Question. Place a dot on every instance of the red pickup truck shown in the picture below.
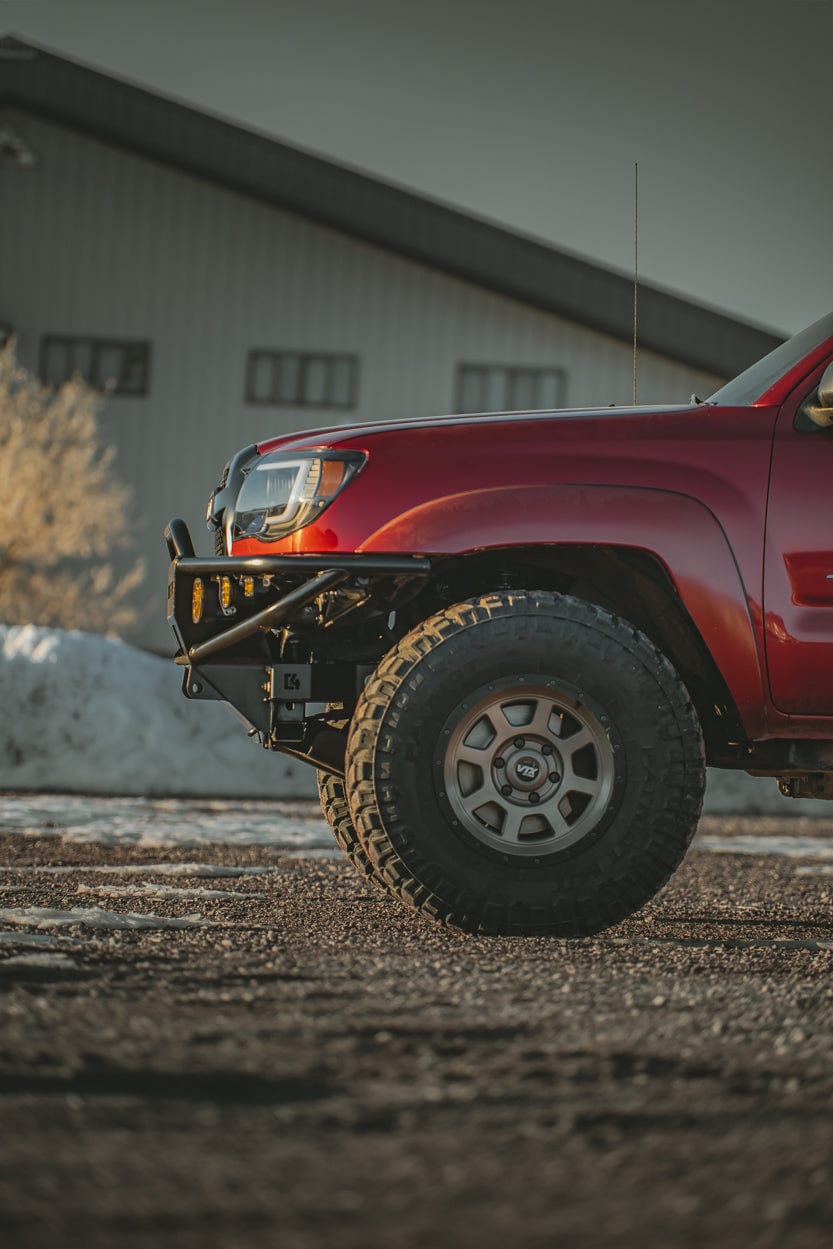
(510, 644)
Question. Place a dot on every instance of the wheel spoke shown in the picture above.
(475, 755)
(539, 725)
(511, 828)
(572, 784)
(484, 793)
(578, 741)
(554, 817)
(497, 719)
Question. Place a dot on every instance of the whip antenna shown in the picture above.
(635, 264)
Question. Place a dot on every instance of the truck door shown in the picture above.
(798, 562)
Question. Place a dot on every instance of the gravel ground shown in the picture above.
(304, 1063)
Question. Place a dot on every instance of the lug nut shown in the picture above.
(534, 798)
(554, 777)
(506, 790)
(546, 749)
(520, 742)
(499, 763)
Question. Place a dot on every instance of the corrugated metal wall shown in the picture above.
(97, 241)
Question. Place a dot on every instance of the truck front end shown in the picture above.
(286, 637)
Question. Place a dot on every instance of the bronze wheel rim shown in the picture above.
(528, 769)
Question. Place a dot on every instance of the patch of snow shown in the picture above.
(294, 826)
(152, 869)
(90, 714)
(145, 889)
(726, 943)
(92, 917)
(58, 962)
(9, 936)
(790, 847)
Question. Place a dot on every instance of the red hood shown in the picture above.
(334, 435)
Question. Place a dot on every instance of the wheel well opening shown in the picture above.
(627, 582)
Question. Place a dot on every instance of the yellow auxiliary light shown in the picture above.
(248, 586)
(197, 600)
(226, 593)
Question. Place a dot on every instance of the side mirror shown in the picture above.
(825, 392)
(819, 407)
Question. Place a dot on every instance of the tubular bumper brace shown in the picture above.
(237, 621)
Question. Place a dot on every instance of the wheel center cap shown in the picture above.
(528, 772)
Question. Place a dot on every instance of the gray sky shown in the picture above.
(531, 113)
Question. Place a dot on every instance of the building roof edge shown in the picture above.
(378, 212)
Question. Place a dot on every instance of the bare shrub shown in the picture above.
(61, 508)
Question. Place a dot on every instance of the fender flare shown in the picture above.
(677, 530)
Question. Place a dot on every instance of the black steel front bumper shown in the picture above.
(259, 652)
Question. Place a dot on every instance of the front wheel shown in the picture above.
(525, 763)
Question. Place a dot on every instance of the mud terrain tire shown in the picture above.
(499, 699)
(337, 814)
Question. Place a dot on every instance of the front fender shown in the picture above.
(679, 531)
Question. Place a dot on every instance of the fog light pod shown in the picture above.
(226, 591)
(197, 600)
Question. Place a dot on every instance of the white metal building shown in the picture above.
(234, 287)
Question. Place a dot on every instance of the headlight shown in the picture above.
(283, 492)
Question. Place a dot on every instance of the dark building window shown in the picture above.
(302, 379)
(500, 388)
(110, 363)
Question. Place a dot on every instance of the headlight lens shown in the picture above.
(283, 492)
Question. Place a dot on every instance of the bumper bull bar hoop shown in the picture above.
(270, 616)
(266, 565)
(273, 697)
(178, 539)
(329, 571)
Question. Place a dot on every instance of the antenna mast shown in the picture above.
(635, 264)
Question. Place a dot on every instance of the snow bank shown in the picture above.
(89, 714)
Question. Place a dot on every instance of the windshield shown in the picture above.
(757, 379)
